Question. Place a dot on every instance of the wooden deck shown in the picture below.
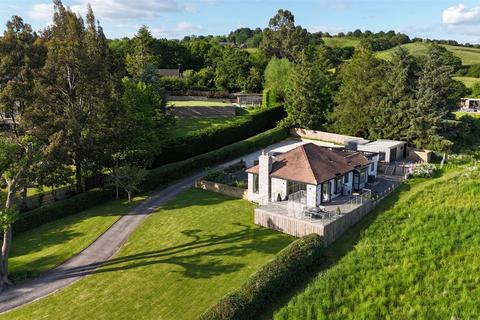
(331, 229)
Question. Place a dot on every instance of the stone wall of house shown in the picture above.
(222, 188)
(339, 139)
(312, 195)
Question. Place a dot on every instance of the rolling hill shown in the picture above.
(469, 56)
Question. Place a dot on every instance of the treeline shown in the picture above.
(407, 98)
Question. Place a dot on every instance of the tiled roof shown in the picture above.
(313, 164)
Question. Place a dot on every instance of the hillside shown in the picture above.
(469, 56)
(341, 42)
(416, 257)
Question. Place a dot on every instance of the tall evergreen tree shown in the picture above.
(309, 96)
(432, 110)
(75, 91)
(361, 88)
(392, 114)
(142, 64)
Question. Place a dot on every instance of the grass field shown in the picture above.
(460, 114)
(51, 244)
(341, 42)
(184, 126)
(468, 81)
(416, 257)
(195, 103)
(469, 56)
(180, 261)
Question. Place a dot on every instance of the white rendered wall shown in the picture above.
(279, 187)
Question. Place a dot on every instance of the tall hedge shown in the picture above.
(287, 269)
(202, 141)
(172, 171)
(61, 209)
(155, 178)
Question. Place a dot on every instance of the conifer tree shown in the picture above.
(361, 88)
(309, 95)
(391, 117)
(75, 92)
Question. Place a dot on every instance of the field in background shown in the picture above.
(467, 81)
(184, 258)
(341, 42)
(185, 126)
(197, 103)
(469, 56)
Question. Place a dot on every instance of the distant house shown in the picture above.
(175, 73)
(248, 99)
(321, 173)
(470, 105)
(227, 44)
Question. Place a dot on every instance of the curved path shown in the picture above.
(105, 246)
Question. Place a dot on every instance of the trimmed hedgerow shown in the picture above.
(208, 139)
(167, 173)
(61, 209)
(155, 179)
(288, 268)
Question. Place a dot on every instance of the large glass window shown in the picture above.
(338, 185)
(293, 186)
(345, 177)
(255, 183)
(326, 191)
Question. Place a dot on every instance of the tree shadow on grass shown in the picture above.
(203, 256)
(336, 251)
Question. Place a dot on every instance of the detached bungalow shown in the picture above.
(322, 174)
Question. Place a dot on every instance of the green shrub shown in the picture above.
(169, 172)
(288, 268)
(61, 209)
(202, 141)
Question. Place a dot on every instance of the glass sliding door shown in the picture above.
(326, 197)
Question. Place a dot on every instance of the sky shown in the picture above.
(434, 19)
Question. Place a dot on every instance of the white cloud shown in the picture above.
(185, 27)
(331, 30)
(115, 9)
(41, 12)
(459, 15)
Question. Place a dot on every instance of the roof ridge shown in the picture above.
(309, 163)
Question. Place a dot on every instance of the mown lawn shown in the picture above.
(460, 114)
(416, 257)
(468, 81)
(196, 103)
(180, 261)
(49, 245)
(184, 126)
